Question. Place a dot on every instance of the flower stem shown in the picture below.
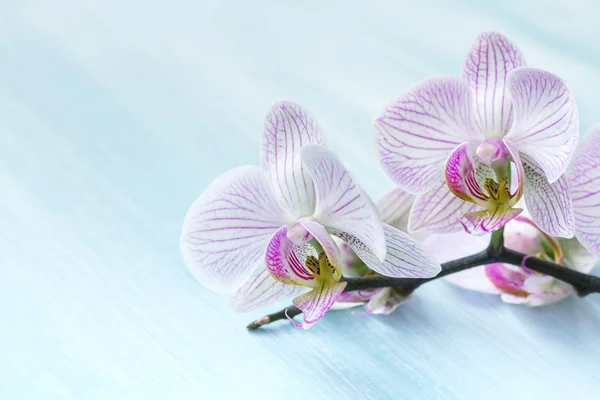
(583, 284)
(408, 285)
(496, 242)
(291, 312)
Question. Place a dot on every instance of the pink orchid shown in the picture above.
(518, 285)
(584, 185)
(265, 233)
(452, 141)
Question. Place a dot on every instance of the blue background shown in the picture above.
(114, 117)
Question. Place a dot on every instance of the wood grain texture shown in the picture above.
(115, 115)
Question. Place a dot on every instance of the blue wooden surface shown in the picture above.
(113, 118)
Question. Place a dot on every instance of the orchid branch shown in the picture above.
(288, 312)
(583, 284)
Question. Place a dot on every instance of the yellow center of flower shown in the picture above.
(322, 268)
(498, 191)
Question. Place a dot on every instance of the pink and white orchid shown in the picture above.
(265, 233)
(452, 142)
(515, 284)
(584, 184)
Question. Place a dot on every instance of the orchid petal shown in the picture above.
(507, 278)
(405, 256)
(577, 257)
(344, 305)
(483, 172)
(385, 302)
(286, 261)
(452, 246)
(289, 127)
(518, 176)
(356, 296)
(538, 283)
(536, 299)
(544, 290)
(546, 122)
(416, 132)
(318, 301)
(332, 251)
(340, 203)
(473, 279)
(549, 204)
(514, 299)
(261, 290)
(394, 208)
(226, 230)
(486, 221)
(461, 179)
(377, 300)
(584, 184)
(438, 211)
(488, 63)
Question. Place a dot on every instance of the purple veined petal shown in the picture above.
(486, 221)
(584, 184)
(549, 204)
(332, 251)
(546, 122)
(356, 296)
(286, 262)
(394, 208)
(473, 279)
(486, 69)
(461, 179)
(405, 257)
(226, 230)
(517, 172)
(261, 290)
(318, 301)
(438, 211)
(415, 133)
(289, 127)
(341, 204)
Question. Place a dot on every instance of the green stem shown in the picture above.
(496, 243)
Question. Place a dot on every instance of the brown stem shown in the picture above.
(583, 284)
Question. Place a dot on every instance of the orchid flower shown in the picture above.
(452, 141)
(393, 209)
(518, 285)
(265, 233)
(584, 185)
